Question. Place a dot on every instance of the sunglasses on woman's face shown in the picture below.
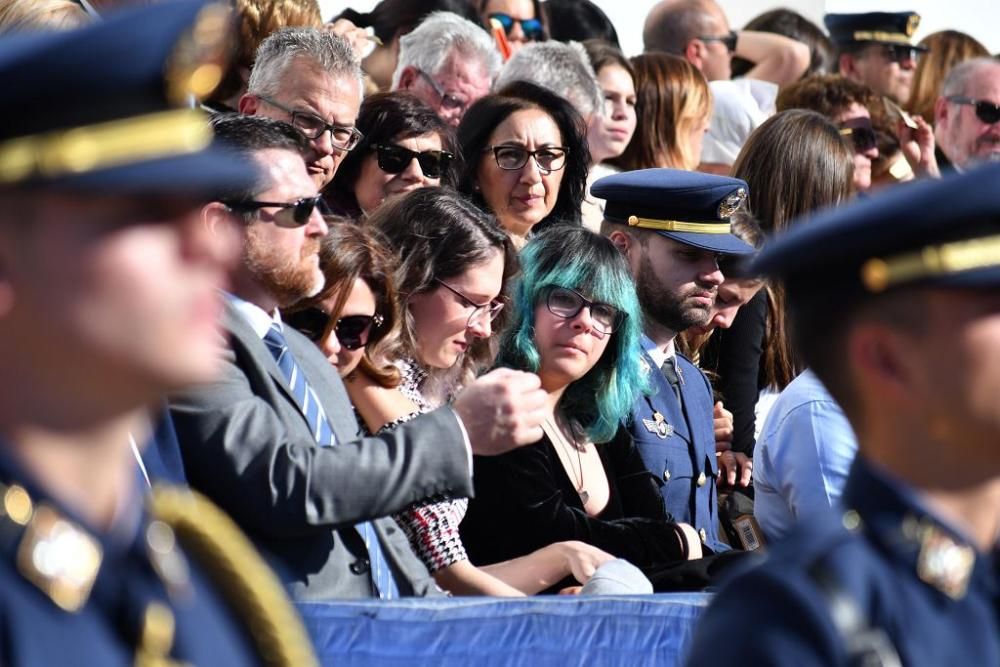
(532, 28)
(353, 331)
(394, 159)
(861, 133)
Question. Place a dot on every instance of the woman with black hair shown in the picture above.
(527, 158)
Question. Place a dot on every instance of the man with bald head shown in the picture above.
(699, 32)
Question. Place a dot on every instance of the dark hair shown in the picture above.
(578, 20)
(438, 233)
(828, 94)
(539, 14)
(348, 253)
(602, 54)
(245, 135)
(391, 18)
(817, 171)
(383, 118)
(822, 54)
(671, 94)
(483, 117)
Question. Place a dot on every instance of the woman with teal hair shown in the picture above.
(578, 326)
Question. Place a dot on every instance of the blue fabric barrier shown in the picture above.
(553, 630)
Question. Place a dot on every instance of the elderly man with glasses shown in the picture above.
(967, 115)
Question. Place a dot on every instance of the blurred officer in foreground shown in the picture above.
(108, 299)
(897, 309)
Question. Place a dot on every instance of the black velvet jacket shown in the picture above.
(525, 500)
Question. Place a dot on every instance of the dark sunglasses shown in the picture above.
(986, 112)
(292, 214)
(567, 303)
(900, 53)
(861, 133)
(729, 40)
(532, 28)
(353, 331)
(395, 159)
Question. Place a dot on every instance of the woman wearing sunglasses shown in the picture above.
(527, 158)
(522, 21)
(357, 307)
(405, 146)
(577, 326)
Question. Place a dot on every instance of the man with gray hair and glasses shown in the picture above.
(967, 115)
(311, 79)
(448, 63)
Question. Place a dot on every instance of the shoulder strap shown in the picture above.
(252, 590)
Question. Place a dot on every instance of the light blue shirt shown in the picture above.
(802, 457)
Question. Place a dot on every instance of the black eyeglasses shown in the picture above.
(861, 133)
(342, 137)
(900, 53)
(448, 101)
(986, 112)
(532, 28)
(728, 40)
(567, 303)
(394, 159)
(292, 214)
(491, 309)
(511, 158)
(353, 331)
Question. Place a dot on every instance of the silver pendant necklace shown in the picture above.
(556, 434)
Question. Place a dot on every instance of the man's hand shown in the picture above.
(734, 468)
(361, 41)
(723, 428)
(502, 410)
(917, 146)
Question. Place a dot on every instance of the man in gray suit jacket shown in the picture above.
(246, 439)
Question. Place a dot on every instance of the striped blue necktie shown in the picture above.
(307, 402)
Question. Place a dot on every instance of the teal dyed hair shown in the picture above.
(578, 259)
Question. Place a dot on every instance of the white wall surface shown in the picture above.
(979, 18)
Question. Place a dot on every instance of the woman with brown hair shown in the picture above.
(673, 107)
(816, 171)
(945, 50)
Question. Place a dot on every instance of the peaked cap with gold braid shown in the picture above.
(874, 28)
(253, 592)
(106, 108)
(686, 206)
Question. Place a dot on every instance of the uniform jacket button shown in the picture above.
(666, 475)
(361, 566)
(702, 479)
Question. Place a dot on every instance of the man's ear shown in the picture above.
(217, 218)
(694, 52)
(846, 65)
(882, 362)
(407, 78)
(248, 104)
(940, 113)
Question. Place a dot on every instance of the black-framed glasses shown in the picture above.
(512, 158)
(900, 53)
(727, 40)
(448, 101)
(292, 214)
(394, 159)
(353, 331)
(491, 309)
(861, 134)
(986, 112)
(567, 303)
(532, 28)
(342, 137)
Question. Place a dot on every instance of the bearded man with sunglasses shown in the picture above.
(967, 115)
(274, 442)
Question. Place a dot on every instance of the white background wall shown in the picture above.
(979, 18)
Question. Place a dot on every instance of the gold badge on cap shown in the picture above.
(198, 62)
(59, 557)
(658, 425)
(731, 203)
(912, 23)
